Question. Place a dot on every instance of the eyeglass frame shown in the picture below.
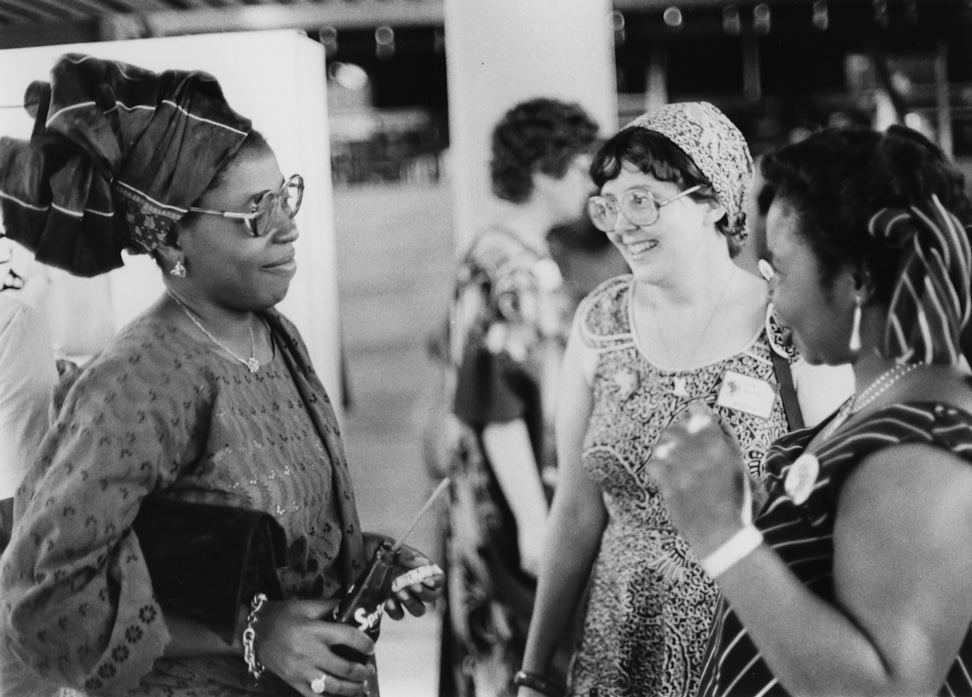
(616, 205)
(249, 219)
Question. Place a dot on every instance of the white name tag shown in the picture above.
(748, 394)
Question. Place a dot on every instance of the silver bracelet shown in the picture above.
(249, 637)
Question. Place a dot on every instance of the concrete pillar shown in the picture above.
(501, 52)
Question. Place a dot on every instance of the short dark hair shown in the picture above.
(657, 156)
(538, 135)
(837, 179)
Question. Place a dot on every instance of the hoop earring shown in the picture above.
(179, 271)
(855, 338)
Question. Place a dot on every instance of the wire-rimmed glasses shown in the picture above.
(638, 205)
(286, 199)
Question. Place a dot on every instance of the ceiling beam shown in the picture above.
(23, 34)
(341, 15)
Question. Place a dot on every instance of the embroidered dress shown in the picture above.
(159, 412)
(509, 323)
(802, 535)
(651, 604)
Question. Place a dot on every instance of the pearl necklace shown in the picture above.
(251, 363)
(881, 384)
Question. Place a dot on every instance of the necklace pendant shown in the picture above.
(252, 364)
(680, 386)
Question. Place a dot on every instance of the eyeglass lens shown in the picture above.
(287, 199)
(639, 207)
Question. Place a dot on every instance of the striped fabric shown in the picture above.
(802, 535)
(930, 305)
(117, 155)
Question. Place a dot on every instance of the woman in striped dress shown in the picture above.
(856, 576)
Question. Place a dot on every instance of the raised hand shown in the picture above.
(699, 470)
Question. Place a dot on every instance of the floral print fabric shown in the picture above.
(508, 332)
(651, 604)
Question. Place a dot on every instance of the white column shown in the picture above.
(501, 52)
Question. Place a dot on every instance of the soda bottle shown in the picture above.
(363, 605)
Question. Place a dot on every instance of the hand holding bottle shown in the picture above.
(294, 644)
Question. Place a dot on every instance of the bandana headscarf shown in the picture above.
(716, 146)
(117, 155)
(930, 306)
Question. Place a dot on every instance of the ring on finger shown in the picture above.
(319, 684)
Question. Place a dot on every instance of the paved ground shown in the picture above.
(395, 252)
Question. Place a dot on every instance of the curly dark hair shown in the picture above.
(837, 179)
(657, 156)
(538, 135)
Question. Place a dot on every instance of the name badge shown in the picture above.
(748, 394)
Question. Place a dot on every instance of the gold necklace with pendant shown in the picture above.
(252, 364)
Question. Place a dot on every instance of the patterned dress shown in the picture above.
(161, 412)
(509, 324)
(802, 535)
(651, 605)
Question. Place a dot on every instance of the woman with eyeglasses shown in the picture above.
(189, 521)
(687, 324)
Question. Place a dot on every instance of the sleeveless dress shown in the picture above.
(651, 605)
(802, 535)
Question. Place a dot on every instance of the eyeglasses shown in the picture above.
(638, 205)
(259, 222)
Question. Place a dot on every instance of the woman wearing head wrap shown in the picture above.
(687, 324)
(189, 517)
(856, 576)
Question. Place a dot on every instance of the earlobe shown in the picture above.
(715, 213)
(863, 284)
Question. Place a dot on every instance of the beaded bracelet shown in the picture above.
(539, 683)
(732, 551)
(249, 637)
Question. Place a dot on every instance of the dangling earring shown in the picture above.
(855, 338)
(179, 271)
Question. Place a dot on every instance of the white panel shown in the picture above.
(504, 51)
(278, 80)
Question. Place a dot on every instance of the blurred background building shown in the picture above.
(778, 68)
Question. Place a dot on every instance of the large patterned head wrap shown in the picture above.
(930, 305)
(716, 146)
(117, 156)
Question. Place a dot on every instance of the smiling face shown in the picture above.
(682, 228)
(819, 316)
(227, 266)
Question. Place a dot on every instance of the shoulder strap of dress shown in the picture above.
(788, 393)
(782, 353)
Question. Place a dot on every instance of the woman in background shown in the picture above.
(856, 576)
(509, 322)
(687, 324)
(189, 522)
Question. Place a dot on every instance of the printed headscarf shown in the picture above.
(930, 305)
(117, 155)
(717, 147)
